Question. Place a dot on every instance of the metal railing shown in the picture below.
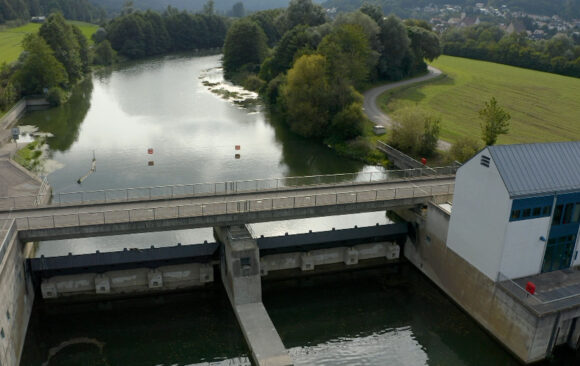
(7, 238)
(220, 188)
(521, 293)
(228, 207)
(397, 154)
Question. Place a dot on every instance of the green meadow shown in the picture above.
(11, 38)
(543, 106)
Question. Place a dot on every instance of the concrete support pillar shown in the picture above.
(240, 264)
(240, 269)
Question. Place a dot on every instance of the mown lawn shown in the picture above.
(543, 106)
(11, 38)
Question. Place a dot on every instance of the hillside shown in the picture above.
(10, 38)
(543, 106)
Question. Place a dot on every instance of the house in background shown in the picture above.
(516, 209)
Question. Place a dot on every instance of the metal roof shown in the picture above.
(532, 169)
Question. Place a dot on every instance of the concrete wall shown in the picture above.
(131, 281)
(523, 251)
(307, 261)
(16, 299)
(524, 333)
(481, 208)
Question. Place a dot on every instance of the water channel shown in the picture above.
(389, 316)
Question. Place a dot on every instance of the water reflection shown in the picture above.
(63, 122)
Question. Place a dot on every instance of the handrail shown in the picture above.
(83, 218)
(523, 294)
(7, 239)
(215, 188)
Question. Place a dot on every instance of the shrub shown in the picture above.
(56, 96)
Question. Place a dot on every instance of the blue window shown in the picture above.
(531, 208)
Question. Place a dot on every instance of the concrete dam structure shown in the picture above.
(501, 241)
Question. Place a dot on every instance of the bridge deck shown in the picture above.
(248, 207)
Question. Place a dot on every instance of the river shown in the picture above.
(156, 122)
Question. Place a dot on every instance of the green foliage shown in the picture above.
(395, 48)
(348, 123)
(56, 96)
(245, 46)
(303, 12)
(293, 41)
(254, 83)
(39, 68)
(69, 45)
(348, 53)
(495, 122)
(139, 34)
(8, 96)
(306, 94)
(269, 21)
(103, 54)
(415, 132)
(464, 149)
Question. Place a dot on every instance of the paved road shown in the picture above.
(374, 112)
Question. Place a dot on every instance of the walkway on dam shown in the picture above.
(112, 218)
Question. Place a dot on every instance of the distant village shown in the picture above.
(536, 26)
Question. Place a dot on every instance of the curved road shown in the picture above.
(374, 112)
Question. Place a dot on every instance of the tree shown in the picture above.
(39, 68)
(495, 122)
(245, 46)
(238, 10)
(348, 54)
(63, 39)
(464, 149)
(415, 132)
(395, 46)
(304, 12)
(306, 96)
(103, 54)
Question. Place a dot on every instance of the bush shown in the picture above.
(56, 96)
(253, 83)
(464, 149)
(415, 132)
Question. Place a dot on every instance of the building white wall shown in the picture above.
(523, 251)
(480, 214)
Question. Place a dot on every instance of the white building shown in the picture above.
(516, 209)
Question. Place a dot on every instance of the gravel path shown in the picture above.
(374, 112)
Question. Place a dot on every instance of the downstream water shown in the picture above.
(389, 316)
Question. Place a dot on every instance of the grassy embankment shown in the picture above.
(543, 106)
(11, 38)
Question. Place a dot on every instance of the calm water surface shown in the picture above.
(389, 316)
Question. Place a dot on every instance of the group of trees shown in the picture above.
(311, 74)
(52, 61)
(22, 10)
(139, 34)
(488, 42)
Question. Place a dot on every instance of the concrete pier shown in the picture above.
(241, 277)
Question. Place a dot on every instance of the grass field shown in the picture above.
(11, 38)
(543, 106)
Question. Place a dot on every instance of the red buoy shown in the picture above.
(150, 151)
(238, 147)
(423, 161)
